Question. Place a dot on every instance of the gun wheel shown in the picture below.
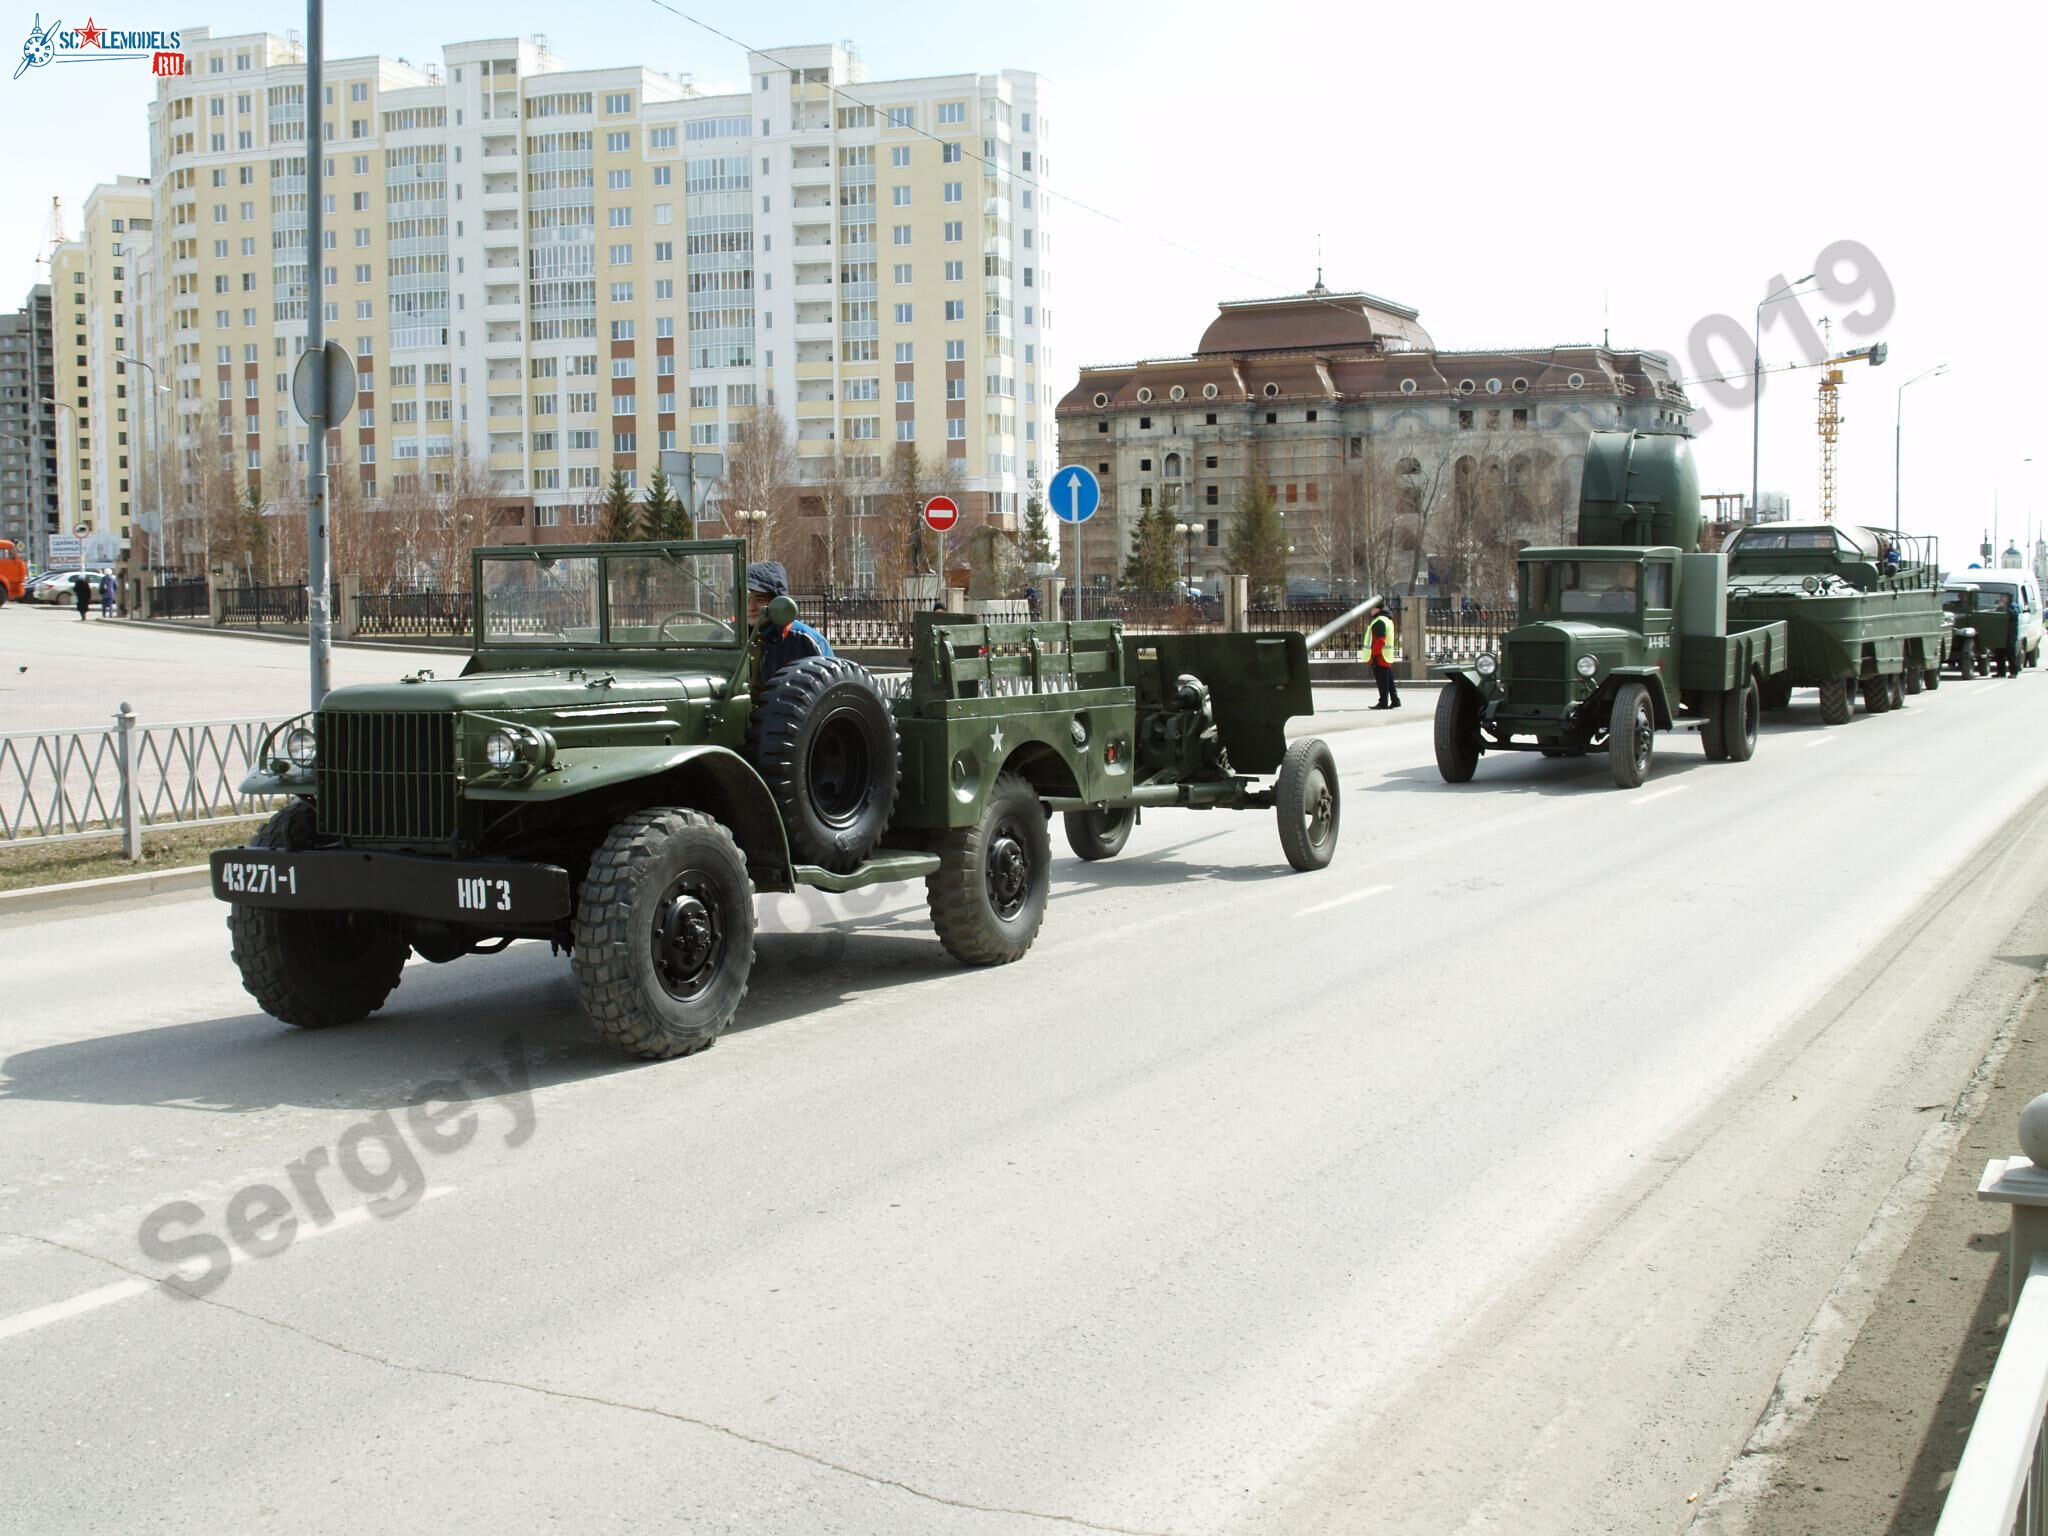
(1307, 800)
(1100, 834)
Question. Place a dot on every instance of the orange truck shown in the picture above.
(13, 572)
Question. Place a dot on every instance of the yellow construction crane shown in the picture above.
(1831, 416)
(54, 230)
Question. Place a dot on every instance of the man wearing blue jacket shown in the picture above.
(780, 644)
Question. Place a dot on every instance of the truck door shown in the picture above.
(1660, 624)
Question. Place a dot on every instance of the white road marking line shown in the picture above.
(1821, 741)
(1344, 901)
(121, 1290)
(1657, 794)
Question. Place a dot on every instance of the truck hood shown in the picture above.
(569, 689)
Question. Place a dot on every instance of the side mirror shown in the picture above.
(781, 611)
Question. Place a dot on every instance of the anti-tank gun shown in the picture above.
(1622, 635)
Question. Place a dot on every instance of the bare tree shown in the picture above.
(760, 472)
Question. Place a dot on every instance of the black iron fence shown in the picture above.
(179, 600)
(862, 620)
(259, 606)
(413, 613)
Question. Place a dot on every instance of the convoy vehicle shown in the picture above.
(1861, 606)
(1987, 633)
(609, 774)
(1622, 635)
(2025, 602)
(13, 573)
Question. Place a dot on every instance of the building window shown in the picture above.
(1209, 495)
(953, 192)
(952, 232)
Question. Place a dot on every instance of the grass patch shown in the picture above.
(93, 857)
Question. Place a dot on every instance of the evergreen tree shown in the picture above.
(1258, 542)
(662, 511)
(1037, 534)
(1154, 560)
(620, 521)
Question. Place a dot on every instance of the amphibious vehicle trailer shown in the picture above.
(1862, 606)
(1622, 635)
(607, 773)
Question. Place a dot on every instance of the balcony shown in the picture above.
(815, 330)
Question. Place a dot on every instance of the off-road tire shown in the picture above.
(1915, 680)
(678, 875)
(1457, 732)
(1740, 711)
(825, 742)
(988, 895)
(1931, 678)
(1309, 804)
(1631, 730)
(1777, 693)
(1099, 834)
(1877, 696)
(313, 970)
(1835, 705)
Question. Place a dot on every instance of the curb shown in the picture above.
(288, 637)
(85, 893)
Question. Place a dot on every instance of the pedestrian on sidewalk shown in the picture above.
(81, 589)
(107, 595)
(1379, 651)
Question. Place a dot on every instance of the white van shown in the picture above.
(2026, 594)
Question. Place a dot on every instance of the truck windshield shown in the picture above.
(1581, 586)
(650, 599)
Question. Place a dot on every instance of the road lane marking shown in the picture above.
(1344, 901)
(121, 1290)
(1821, 741)
(1658, 794)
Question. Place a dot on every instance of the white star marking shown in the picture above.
(996, 740)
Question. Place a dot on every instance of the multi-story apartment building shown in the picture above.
(28, 507)
(548, 274)
(1362, 429)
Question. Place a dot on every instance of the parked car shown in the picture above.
(58, 586)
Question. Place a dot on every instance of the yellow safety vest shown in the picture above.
(1372, 629)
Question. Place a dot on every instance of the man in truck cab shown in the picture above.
(779, 644)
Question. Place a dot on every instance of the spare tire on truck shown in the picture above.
(824, 740)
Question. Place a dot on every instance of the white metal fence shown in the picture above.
(59, 785)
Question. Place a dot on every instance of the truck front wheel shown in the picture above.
(664, 934)
(1457, 732)
(313, 969)
(1099, 834)
(988, 895)
(1630, 729)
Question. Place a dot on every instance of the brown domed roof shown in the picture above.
(1313, 322)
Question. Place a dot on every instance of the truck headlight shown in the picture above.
(1487, 664)
(1588, 665)
(501, 750)
(299, 746)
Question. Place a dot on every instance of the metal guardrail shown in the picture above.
(2001, 1485)
(62, 785)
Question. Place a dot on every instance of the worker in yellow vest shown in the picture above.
(1379, 651)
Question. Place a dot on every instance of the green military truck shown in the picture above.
(607, 774)
(1622, 635)
(1986, 637)
(1862, 606)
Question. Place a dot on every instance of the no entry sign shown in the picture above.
(941, 513)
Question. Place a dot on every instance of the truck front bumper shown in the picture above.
(482, 891)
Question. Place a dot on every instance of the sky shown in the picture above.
(1522, 176)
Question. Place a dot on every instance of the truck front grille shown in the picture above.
(1536, 672)
(385, 776)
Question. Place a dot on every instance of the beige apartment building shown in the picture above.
(547, 274)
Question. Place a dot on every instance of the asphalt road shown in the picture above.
(1482, 1182)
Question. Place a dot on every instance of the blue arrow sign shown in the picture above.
(1075, 494)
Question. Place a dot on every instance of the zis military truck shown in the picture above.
(608, 773)
(1622, 635)
(1862, 607)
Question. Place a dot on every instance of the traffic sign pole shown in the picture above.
(319, 635)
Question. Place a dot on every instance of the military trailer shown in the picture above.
(1621, 635)
(1862, 607)
(608, 773)
(1987, 633)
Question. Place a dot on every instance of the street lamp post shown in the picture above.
(155, 440)
(62, 406)
(1898, 436)
(1756, 391)
(1187, 533)
(750, 519)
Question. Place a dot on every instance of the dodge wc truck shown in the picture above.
(1622, 635)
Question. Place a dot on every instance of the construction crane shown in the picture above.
(1831, 416)
(53, 230)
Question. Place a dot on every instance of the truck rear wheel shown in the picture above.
(1777, 693)
(1835, 708)
(1305, 796)
(1099, 834)
(1741, 711)
(825, 742)
(1914, 680)
(1931, 678)
(1457, 732)
(664, 934)
(987, 897)
(1630, 729)
(313, 969)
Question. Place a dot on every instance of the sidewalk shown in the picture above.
(1878, 1452)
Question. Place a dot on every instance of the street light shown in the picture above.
(1187, 532)
(62, 406)
(1756, 391)
(749, 520)
(155, 441)
(1898, 431)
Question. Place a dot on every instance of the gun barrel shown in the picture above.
(1337, 625)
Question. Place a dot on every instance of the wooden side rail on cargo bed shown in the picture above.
(964, 661)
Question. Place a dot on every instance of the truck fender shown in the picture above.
(712, 779)
(1467, 675)
(1651, 678)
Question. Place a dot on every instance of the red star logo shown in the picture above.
(89, 35)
